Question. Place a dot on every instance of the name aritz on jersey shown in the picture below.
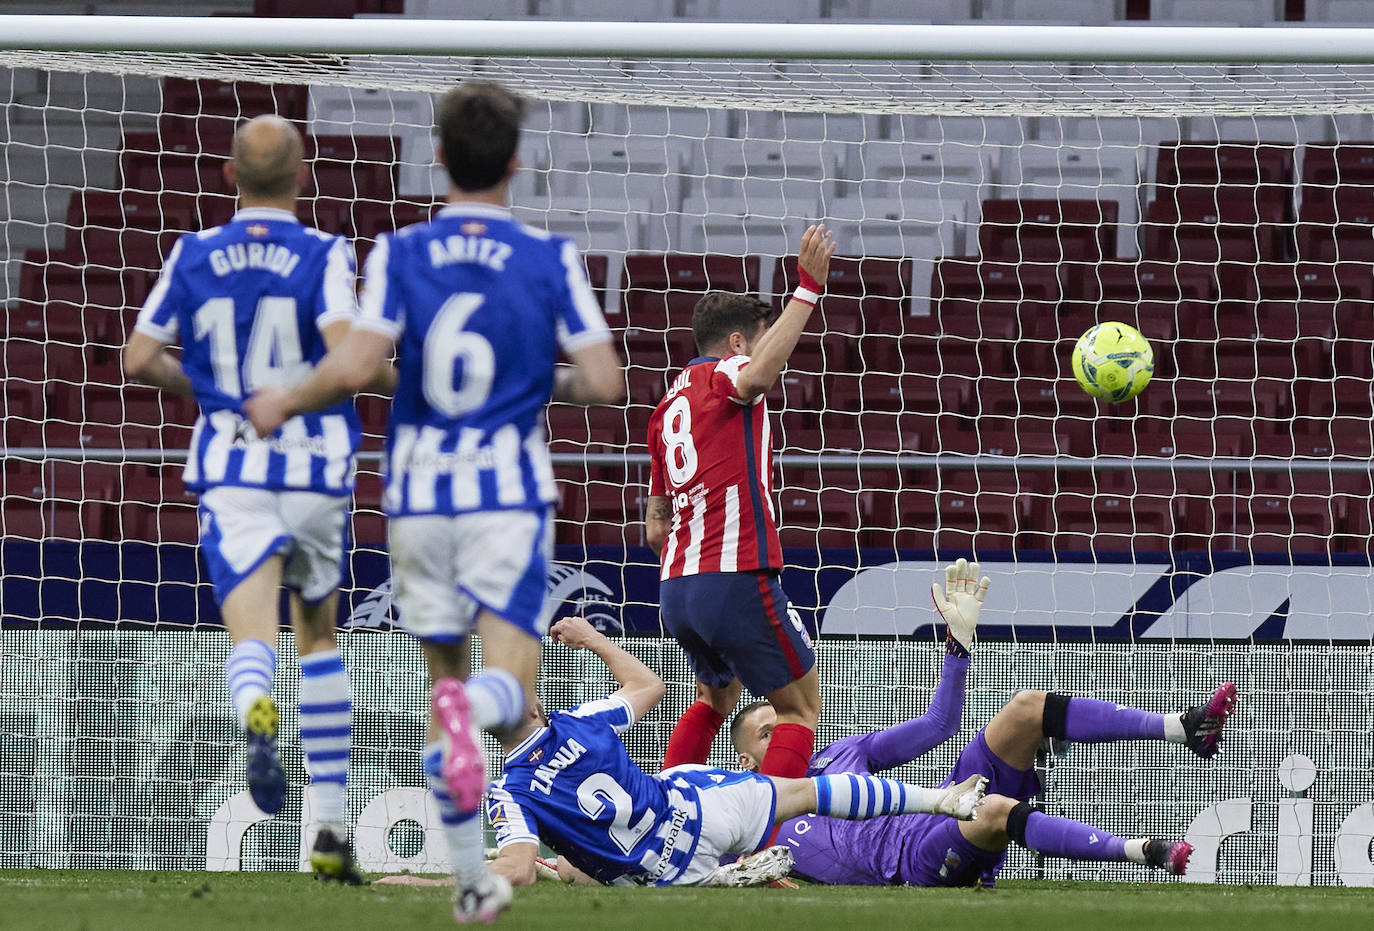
(239, 256)
(563, 757)
(479, 249)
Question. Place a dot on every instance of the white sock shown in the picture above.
(1173, 730)
(249, 672)
(463, 831)
(1135, 850)
(326, 735)
(856, 797)
(497, 699)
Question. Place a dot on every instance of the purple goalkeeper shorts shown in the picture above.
(940, 855)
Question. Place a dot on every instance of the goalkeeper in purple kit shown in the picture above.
(921, 850)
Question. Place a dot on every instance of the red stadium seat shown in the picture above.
(1049, 231)
(1224, 163)
(157, 507)
(353, 150)
(1154, 297)
(584, 429)
(825, 517)
(1276, 524)
(1210, 225)
(1333, 163)
(1109, 523)
(660, 290)
(369, 525)
(237, 99)
(1336, 224)
(368, 218)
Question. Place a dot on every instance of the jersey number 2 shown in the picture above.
(599, 790)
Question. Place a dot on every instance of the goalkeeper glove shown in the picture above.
(960, 603)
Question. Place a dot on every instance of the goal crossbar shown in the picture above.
(832, 41)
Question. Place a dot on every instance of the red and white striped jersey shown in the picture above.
(712, 454)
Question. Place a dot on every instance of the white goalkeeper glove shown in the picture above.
(961, 601)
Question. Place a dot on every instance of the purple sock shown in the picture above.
(1088, 720)
(1062, 837)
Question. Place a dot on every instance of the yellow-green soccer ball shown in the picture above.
(1113, 362)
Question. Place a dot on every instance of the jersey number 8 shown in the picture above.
(680, 458)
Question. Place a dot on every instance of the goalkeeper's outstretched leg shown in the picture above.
(965, 853)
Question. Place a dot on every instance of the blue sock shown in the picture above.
(466, 849)
(326, 734)
(497, 699)
(249, 672)
(856, 797)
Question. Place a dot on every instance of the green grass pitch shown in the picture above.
(109, 900)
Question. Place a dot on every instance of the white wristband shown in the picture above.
(806, 296)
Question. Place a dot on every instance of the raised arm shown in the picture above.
(959, 604)
(770, 354)
(640, 686)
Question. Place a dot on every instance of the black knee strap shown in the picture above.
(1055, 720)
(1016, 822)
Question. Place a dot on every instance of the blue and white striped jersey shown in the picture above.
(479, 306)
(573, 785)
(249, 302)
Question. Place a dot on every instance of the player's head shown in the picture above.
(478, 126)
(535, 718)
(267, 160)
(750, 730)
(726, 324)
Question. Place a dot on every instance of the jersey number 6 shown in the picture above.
(445, 344)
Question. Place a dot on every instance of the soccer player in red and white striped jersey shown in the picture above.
(711, 519)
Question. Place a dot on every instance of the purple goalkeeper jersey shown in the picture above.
(871, 853)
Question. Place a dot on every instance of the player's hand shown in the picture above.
(813, 258)
(267, 410)
(961, 600)
(575, 633)
(961, 801)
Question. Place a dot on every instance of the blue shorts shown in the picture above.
(737, 625)
(940, 854)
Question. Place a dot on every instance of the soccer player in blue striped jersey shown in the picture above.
(477, 308)
(257, 302)
(569, 781)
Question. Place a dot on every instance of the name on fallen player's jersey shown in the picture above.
(563, 757)
(479, 249)
(684, 380)
(242, 256)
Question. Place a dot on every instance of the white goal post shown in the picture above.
(995, 189)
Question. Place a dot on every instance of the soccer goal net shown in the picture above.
(988, 211)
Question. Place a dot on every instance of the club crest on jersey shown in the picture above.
(256, 230)
(473, 228)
